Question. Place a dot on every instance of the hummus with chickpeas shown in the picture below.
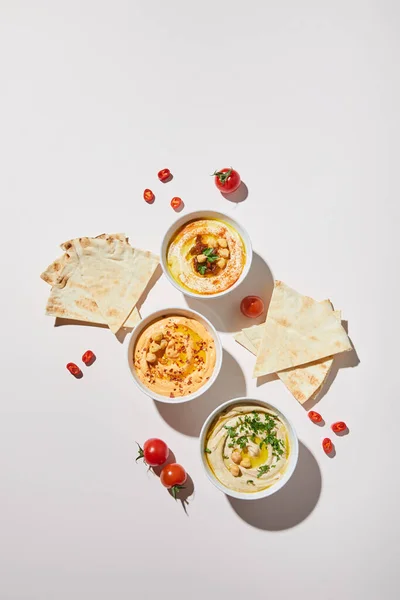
(247, 448)
(206, 256)
(174, 356)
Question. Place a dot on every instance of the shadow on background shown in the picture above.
(292, 504)
(188, 417)
(224, 312)
(344, 360)
(239, 196)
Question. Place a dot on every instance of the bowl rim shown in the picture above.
(179, 222)
(293, 458)
(185, 312)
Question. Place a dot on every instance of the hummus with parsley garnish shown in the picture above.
(206, 256)
(174, 356)
(247, 448)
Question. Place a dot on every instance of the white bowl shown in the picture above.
(293, 456)
(205, 214)
(166, 312)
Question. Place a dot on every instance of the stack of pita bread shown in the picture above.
(297, 341)
(99, 280)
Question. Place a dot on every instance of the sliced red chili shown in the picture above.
(327, 445)
(339, 426)
(176, 202)
(74, 369)
(88, 357)
(148, 195)
(315, 416)
(164, 174)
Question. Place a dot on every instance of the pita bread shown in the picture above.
(298, 330)
(70, 299)
(303, 382)
(115, 274)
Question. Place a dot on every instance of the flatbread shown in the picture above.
(303, 382)
(298, 330)
(69, 298)
(115, 274)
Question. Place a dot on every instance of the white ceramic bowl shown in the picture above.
(205, 214)
(166, 312)
(293, 456)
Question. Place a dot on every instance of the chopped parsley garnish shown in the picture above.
(211, 256)
(257, 429)
(263, 469)
(207, 450)
(202, 269)
(250, 482)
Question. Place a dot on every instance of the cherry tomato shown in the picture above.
(154, 452)
(227, 180)
(173, 477)
(164, 174)
(252, 306)
(148, 195)
(74, 369)
(88, 358)
(327, 445)
(176, 202)
(314, 416)
(339, 426)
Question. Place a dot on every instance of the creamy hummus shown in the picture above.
(206, 256)
(247, 448)
(174, 356)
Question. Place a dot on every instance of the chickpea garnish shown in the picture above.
(154, 347)
(163, 344)
(236, 456)
(150, 357)
(246, 463)
(222, 242)
(157, 337)
(201, 258)
(224, 252)
(234, 469)
(221, 263)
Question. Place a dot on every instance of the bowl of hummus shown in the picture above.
(206, 253)
(174, 355)
(249, 449)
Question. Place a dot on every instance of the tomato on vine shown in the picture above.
(154, 452)
(173, 477)
(227, 180)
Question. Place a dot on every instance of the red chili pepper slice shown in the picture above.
(148, 195)
(176, 202)
(327, 445)
(339, 426)
(164, 174)
(88, 357)
(315, 416)
(74, 369)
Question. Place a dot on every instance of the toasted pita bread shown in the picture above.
(303, 382)
(115, 274)
(298, 331)
(69, 298)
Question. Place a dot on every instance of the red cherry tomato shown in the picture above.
(314, 416)
(173, 477)
(339, 426)
(227, 180)
(176, 202)
(74, 369)
(327, 445)
(252, 306)
(148, 195)
(88, 358)
(154, 452)
(164, 174)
